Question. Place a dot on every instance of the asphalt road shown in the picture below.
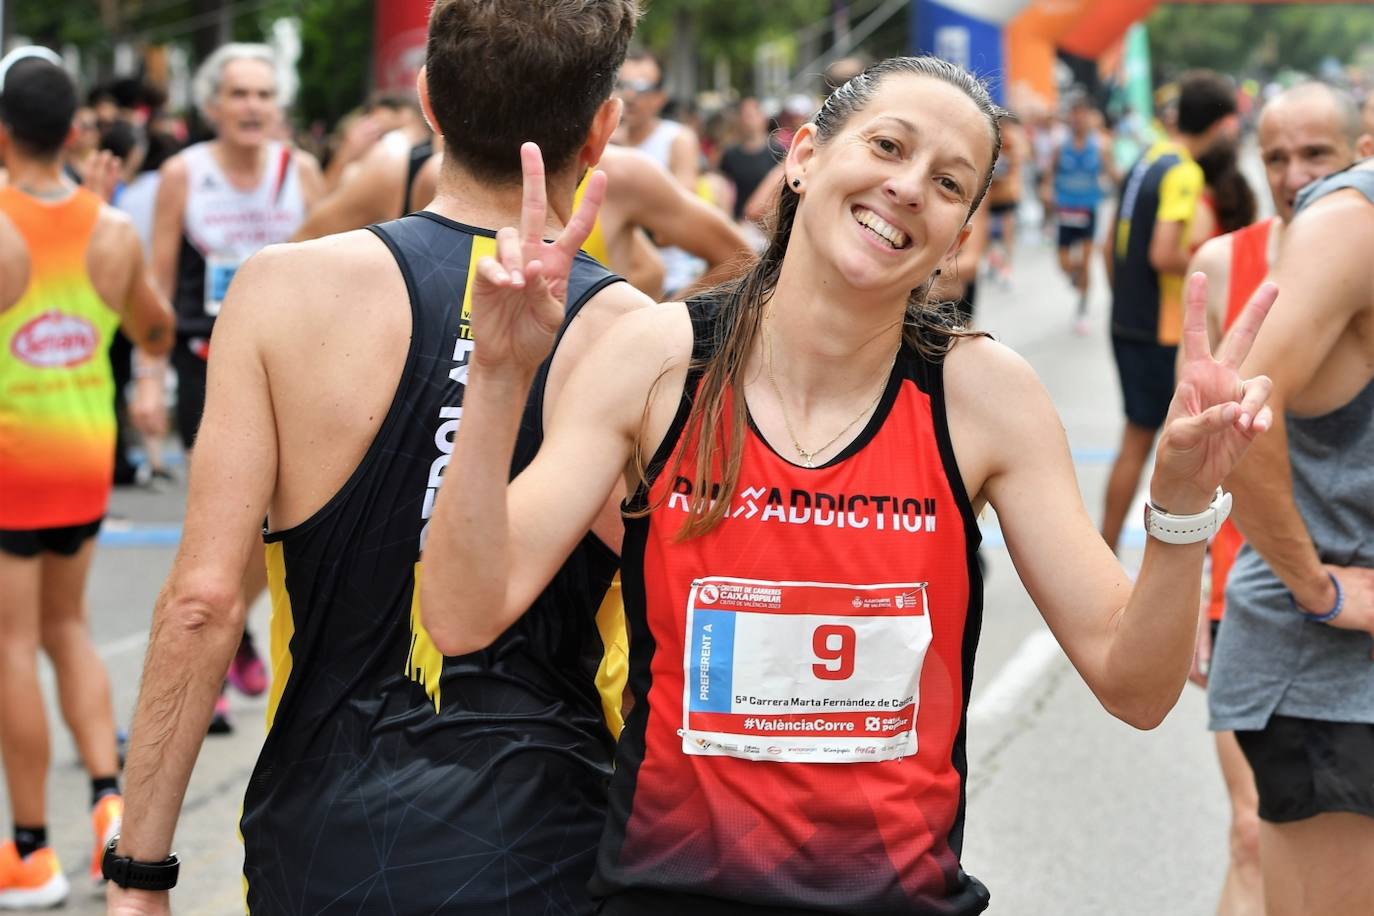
(1070, 812)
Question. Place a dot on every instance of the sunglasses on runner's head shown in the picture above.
(635, 86)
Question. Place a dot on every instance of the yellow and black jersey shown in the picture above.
(595, 245)
(1164, 186)
(393, 779)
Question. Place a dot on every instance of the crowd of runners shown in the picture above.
(691, 628)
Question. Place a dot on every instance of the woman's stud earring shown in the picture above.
(796, 182)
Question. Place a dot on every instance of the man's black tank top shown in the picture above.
(393, 779)
(419, 155)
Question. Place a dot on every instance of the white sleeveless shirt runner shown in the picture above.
(680, 267)
(224, 225)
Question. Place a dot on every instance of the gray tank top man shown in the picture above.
(1269, 659)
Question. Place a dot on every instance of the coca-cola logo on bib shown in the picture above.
(54, 340)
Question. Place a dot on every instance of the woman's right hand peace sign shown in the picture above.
(1215, 413)
(518, 297)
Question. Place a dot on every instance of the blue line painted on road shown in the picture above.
(167, 535)
(1093, 455)
(176, 458)
(170, 536)
(140, 536)
(172, 457)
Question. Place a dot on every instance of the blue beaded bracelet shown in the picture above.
(1329, 615)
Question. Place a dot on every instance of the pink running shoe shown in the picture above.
(246, 671)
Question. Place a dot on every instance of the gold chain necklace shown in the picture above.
(808, 457)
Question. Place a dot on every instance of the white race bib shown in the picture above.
(1074, 218)
(219, 272)
(805, 672)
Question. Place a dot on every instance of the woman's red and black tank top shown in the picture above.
(801, 676)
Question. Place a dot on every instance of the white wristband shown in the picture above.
(1187, 529)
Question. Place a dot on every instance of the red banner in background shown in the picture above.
(398, 46)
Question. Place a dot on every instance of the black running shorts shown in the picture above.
(190, 370)
(1305, 767)
(1076, 227)
(64, 542)
(1146, 371)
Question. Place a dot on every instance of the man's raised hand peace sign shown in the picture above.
(518, 297)
(1215, 413)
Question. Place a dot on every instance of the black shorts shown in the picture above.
(1306, 767)
(64, 542)
(1076, 227)
(190, 390)
(1146, 371)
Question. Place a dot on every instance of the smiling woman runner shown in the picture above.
(806, 451)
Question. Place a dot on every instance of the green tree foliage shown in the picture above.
(336, 36)
(1248, 38)
(731, 29)
(336, 53)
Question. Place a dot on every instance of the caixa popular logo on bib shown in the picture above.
(55, 341)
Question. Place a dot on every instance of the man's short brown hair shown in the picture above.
(1204, 98)
(501, 72)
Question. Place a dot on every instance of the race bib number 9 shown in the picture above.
(803, 671)
(219, 272)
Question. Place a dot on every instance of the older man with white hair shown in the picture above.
(218, 203)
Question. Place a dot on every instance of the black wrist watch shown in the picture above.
(143, 876)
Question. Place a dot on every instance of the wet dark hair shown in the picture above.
(501, 72)
(120, 138)
(127, 92)
(1232, 197)
(1204, 98)
(37, 106)
(99, 94)
(161, 147)
(153, 97)
(718, 439)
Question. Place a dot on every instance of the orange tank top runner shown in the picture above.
(57, 425)
(1249, 266)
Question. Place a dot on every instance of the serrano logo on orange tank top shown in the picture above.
(791, 506)
(54, 340)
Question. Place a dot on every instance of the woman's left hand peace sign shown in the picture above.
(518, 297)
(1215, 413)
